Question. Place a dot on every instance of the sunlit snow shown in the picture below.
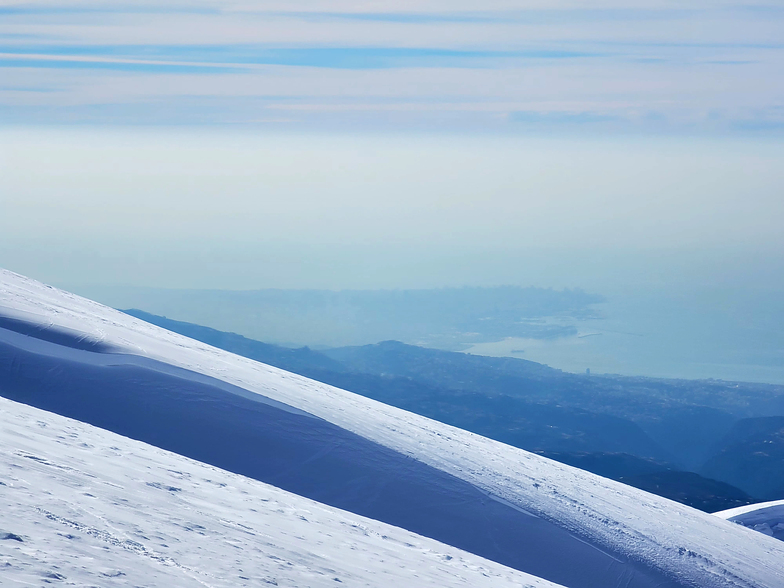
(93, 508)
(598, 532)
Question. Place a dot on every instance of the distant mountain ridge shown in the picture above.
(444, 318)
(282, 357)
(752, 453)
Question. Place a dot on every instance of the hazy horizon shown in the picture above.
(713, 333)
(631, 150)
(228, 210)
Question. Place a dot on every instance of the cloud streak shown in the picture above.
(602, 64)
(234, 56)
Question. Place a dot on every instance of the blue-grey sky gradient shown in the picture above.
(224, 208)
(648, 66)
(196, 143)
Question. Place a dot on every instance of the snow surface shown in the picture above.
(765, 517)
(654, 542)
(88, 507)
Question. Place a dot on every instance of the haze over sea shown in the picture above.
(629, 149)
(700, 334)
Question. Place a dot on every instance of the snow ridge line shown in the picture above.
(615, 535)
(577, 516)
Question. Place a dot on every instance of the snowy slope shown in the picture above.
(555, 521)
(765, 517)
(90, 507)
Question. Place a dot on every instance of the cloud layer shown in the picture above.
(650, 66)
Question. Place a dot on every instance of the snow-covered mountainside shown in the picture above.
(766, 517)
(89, 507)
(78, 358)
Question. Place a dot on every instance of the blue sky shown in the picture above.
(499, 66)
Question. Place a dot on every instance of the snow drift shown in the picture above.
(766, 517)
(75, 357)
(89, 507)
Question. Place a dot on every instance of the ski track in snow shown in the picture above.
(694, 548)
(104, 510)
